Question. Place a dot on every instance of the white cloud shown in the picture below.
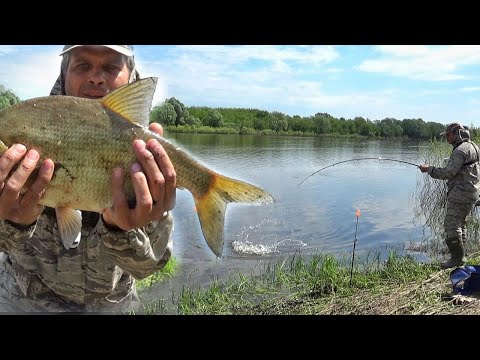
(257, 75)
(313, 55)
(32, 74)
(429, 63)
(470, 88)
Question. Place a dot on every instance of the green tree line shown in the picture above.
(173, 114)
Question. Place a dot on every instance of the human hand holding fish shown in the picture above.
(21, 206)
(154, 181)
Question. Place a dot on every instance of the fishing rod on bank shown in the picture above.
(368, 158)
(357, 214)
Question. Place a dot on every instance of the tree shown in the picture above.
(390, 127)
(164, 114)
(213, 119)
(259, 123)
(180, 110)
(192, 120)
(278, 121)
(7, 98)
(322, 123)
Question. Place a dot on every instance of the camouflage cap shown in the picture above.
(122, 49)
(452, 127)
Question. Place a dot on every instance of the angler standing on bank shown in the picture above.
(462, 175)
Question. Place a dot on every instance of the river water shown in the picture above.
(318, 216)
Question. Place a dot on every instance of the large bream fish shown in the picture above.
(88, 138)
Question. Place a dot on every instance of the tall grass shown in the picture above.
(430, 195)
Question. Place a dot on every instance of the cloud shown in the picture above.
(470, 89)
(427, 63)
(30, 71)
(223, 76)
(230, 55)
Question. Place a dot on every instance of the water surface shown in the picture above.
(317, 216)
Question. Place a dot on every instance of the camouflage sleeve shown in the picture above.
(455, 163)
(13, 236)
(139, 252)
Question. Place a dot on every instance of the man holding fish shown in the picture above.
(45, 265)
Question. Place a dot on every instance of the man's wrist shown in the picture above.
(109, 225)
(21, 226)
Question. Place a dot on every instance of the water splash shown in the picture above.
(246, 247)
(268, 235)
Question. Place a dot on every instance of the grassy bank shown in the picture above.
(322, 285)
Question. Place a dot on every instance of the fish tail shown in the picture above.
(211, 206)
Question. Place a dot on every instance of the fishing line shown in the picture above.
(368, 158)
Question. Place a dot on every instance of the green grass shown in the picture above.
(320, 284)
(157, 277)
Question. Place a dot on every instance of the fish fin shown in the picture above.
(132, 101)
(212, 204)
(69, 225)
(3, 147)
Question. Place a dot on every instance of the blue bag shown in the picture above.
(466, 280)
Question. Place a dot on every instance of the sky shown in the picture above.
(435, 83)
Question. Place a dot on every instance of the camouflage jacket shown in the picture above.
(97, 275)
(462, 173)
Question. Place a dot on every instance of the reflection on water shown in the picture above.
(317, 216)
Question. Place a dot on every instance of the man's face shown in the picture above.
(95, 71)
(450, 136)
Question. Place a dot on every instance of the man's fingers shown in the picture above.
(151, 169)
(37, 189)
(168, 172)
(17, 180)
(144, 201)
(9, 159)
(157, 128)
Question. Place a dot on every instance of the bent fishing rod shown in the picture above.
(368, 158)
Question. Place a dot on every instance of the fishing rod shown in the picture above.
(368, 158)
(357, 213)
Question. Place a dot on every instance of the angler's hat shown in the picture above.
(122, 49)
(453, 127)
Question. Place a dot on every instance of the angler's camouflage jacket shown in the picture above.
(462, 173)
(98, 275)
